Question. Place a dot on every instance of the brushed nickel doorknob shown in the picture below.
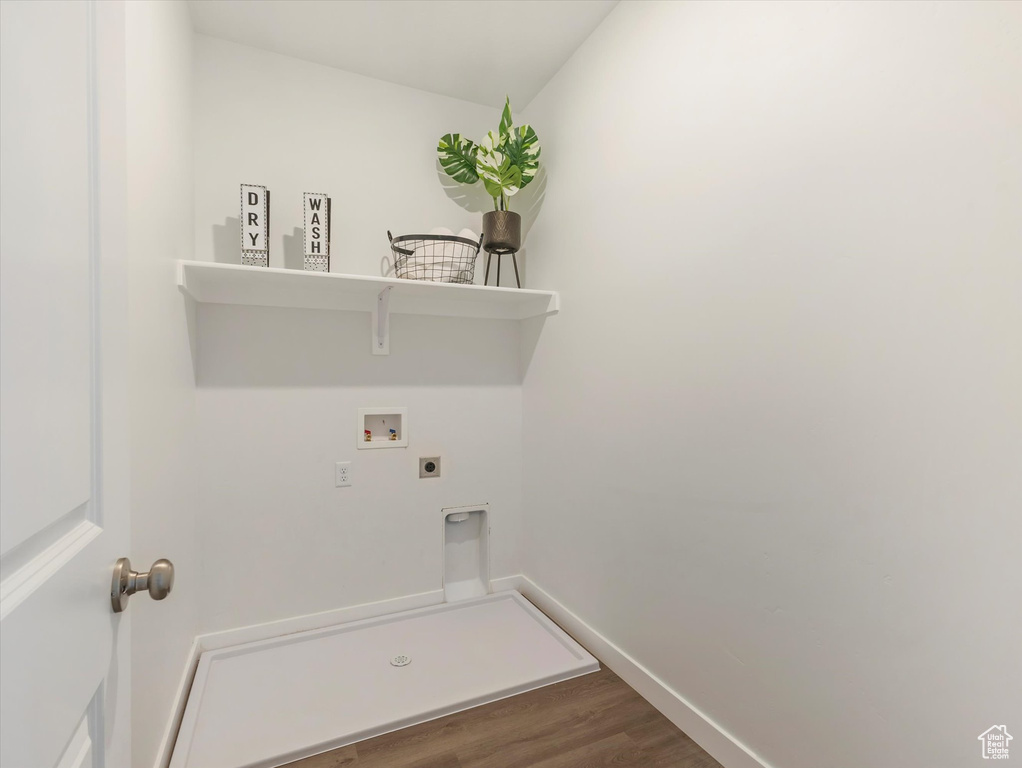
(158, 581)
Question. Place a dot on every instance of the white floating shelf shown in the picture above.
(215, 283)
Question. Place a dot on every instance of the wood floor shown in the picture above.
(589, 722)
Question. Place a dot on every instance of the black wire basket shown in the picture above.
(438, 258)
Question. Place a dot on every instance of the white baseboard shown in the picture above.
(214, 641)
(178, 710)
(505, 583)
(721, 745)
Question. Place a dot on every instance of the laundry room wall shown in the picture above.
(278, 389)
(772, 442)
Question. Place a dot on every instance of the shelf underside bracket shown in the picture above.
(381, 323)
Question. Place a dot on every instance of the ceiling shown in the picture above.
(476, 50)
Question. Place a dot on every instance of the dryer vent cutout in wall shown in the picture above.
(316, 218)
(255, 225)
(466, 552)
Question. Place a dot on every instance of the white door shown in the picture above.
(63, 421)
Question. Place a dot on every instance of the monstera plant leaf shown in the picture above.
(520, 144)
(458, 157)
(505, 118)
(500, 176)
(521, 147)
(506, 160)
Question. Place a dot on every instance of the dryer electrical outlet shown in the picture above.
(429, 466)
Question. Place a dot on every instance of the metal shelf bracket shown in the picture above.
(381, 323)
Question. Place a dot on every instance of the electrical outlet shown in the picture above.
(342, 474)
(429, 466)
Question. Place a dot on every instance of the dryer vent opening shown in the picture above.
(466, 553)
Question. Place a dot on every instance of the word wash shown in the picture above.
(316, 217)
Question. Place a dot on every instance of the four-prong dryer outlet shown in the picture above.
(466, 552)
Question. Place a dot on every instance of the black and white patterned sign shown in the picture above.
(316, 218)
(255, 225)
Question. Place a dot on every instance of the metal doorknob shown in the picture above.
(158, 580)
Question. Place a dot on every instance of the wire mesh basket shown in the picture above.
(439, 258)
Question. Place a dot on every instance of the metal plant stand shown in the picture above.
(500, 252)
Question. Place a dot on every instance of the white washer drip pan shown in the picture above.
(267, 703)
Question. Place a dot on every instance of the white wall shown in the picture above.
(163, 467)
(294, 126)
(787, 238)
(278, 390)
(277, 536)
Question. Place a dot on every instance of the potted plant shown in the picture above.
(507, 161)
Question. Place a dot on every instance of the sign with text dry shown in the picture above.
(255, 225)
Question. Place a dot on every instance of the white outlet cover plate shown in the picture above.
(342, 474)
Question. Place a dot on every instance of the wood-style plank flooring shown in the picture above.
(594, 721)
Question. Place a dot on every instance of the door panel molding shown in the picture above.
(79, 752)
(42, 556)
(50, 273)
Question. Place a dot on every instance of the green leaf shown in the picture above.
(507, 180)
(505, 118)
(458, 157)
(521, 145)
(500, 176)
(506, 160)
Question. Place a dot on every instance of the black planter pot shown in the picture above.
(502, 232)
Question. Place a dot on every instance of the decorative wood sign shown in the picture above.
(316, 217)
(255, 225)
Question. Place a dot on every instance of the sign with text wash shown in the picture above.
(316, 217)
(255, 225)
